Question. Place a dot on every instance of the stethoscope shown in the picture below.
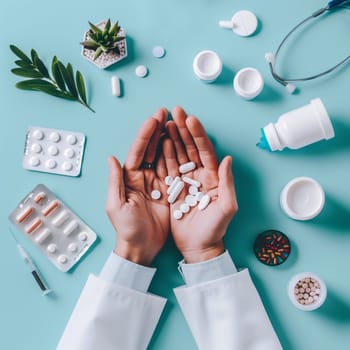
(272, 58)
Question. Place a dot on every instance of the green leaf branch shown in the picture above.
(62, 82)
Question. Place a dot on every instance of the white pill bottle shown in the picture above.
(298, 128)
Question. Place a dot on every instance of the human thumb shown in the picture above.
(227, 194)
(116, 187)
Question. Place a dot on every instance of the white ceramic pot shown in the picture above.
(106, 59)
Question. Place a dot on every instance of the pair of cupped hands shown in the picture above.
(142, 224)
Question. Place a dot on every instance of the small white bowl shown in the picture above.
(316, 304)
(302, 198)
(207, 66)
(248, 83)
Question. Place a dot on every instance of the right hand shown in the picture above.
(141, 223)
(199, 234)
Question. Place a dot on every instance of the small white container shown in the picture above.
(321, 293)
(207, 66)
(298, 128)
(302, 198)
(248, 83)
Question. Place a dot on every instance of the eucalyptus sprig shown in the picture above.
(60, 83)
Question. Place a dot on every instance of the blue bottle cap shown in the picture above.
(263, 143)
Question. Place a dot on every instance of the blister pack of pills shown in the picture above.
(53, 151)
(58, 232)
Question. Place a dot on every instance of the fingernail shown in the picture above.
(109, 161)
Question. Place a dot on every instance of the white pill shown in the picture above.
(62, 259)
(173, 184)
(158, 51)
(53, 150)
(168, 180)
(72, 247)
(190, 181)
(155, 194)
(36, 148)
(60, 219)
(67, 166)
(185, 208)
(70, 228)
(115, 83)
(176, 192)
(204, 202)
(55, 136)
(177, 214)
(199, 196)
(83, 236)
(34, 161)
(141, 71)
(191, 200)
(38, 134)
(40, 238)
(71, 139)
(193, 190)
(187, 167)
(69, 153)
(50, 163)
(51, 248)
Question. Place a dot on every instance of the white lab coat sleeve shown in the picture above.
(109, 316)
(227, 314)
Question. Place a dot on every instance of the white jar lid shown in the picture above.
(302, 198)
(207, 65)
(316, 303)
(248, 83)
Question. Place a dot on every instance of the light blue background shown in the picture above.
(30, 321)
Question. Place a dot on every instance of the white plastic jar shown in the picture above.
(306, 291)
(303, 198)
(298, 128)
(248, 83)
(207, 66)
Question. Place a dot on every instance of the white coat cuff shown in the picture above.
(125, 273)
(206, 271)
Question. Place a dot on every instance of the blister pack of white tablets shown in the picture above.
(58, 232)
(53, 151)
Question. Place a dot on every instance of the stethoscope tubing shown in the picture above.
(285, 81)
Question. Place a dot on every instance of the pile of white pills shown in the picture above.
(194, 198)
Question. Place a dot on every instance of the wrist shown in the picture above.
(192, 256)
(135, 254)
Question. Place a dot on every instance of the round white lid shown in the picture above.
(302, 198)
(248, 83)
(244, 23)
(207, 65)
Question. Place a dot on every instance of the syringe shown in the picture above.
(34, 271)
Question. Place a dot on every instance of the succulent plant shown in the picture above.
(103, 39)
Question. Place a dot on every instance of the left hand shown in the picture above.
(199, 234)
(141, 223)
